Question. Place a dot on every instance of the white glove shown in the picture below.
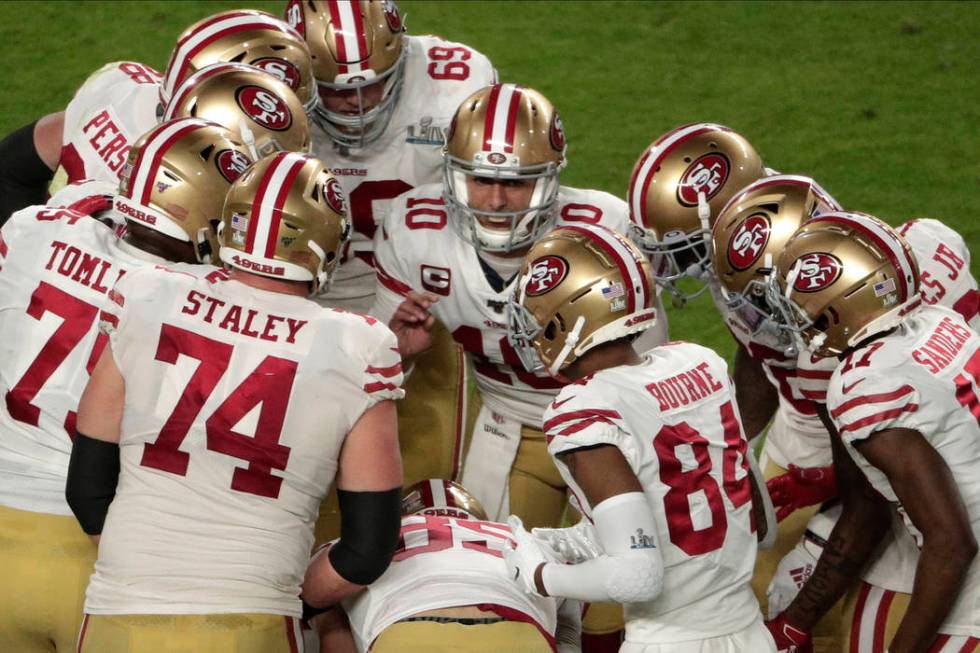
(791, 574)
(524, 560)
(571, 545)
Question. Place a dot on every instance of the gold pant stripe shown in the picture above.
(428, 636)
(182, 633)
(46, 561)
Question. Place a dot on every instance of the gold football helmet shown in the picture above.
(842, 278)
(354, 44)
(285, 218)
(580, 286)
(243, 36)
(176, 177)
(749, 234)
(678, 187)
(440, 498)
(504, 132)
(264, 110)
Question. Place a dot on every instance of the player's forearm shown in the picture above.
(851, 544)
(757, 398)
(943, 563)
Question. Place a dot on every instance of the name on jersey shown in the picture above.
(942, 346)
(81, 267)
(685, 388)
(234, 318)
(107, 139)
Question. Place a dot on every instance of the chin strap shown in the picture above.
(570, 343)
(249, 138)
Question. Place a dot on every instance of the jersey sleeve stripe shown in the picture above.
(378, 386)
(814, 395)
(390, 282)
(879, 417)
(879, 398)
(558, 420)
(386, 372)
(968, 305)
(814, 374)
(3, 246)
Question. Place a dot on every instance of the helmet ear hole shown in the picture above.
(550, 331)
(239, 58)
(206, 152)
(822, 323)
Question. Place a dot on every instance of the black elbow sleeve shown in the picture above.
(24, 176)
(369, 527)
(93, 472)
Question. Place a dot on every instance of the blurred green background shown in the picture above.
(874, 99)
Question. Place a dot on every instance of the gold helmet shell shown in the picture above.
(437, 497)
(668, 180)
(285, 218)
(176, 177)
(504, 131)
(245, 100)
(244, 36)
(580, 286)
(750, 232)
(354, 44)
(842, 278)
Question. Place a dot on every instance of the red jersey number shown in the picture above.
(685, 483)
(449, 63)
(269, 384)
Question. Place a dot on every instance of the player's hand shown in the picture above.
(789, 638)
(801, 487)
(412, 323)
(571, 545)
(524, 559)
(791, 574)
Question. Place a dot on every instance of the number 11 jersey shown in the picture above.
(674, 419)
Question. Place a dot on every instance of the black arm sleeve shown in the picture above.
(369, 526)
(24, 176)
(93, 472)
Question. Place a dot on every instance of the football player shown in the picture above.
(386, 99)
(677, 191)
(903, 400)
(750, 232)
(57, 267)
(450, 252)
(447, 588)
(202, 481)
(651, 447)
(121, 101)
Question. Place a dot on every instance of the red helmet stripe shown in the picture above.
(154, 148)
(663, 146)
(266, 213)
(515, 102)
(488, 119)
(886, 242)
(622, 255)
(338, 34)
(362, 48)
(188, 85)
(426, 490)
(348, 31)
(636, 201)
(208, 33)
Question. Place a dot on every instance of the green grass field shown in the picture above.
(873, 99)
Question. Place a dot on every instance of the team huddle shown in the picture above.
(305, 346)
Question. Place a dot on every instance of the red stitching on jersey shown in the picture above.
(879, 398)
(378, 386)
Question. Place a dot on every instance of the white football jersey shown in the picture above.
(944, 267)
(443, 562)
(238, 401)
(797, 435)
(418, 249)
(56, 267)
(110, 111)
(439, 75)
(924, 376)
(674, 419)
